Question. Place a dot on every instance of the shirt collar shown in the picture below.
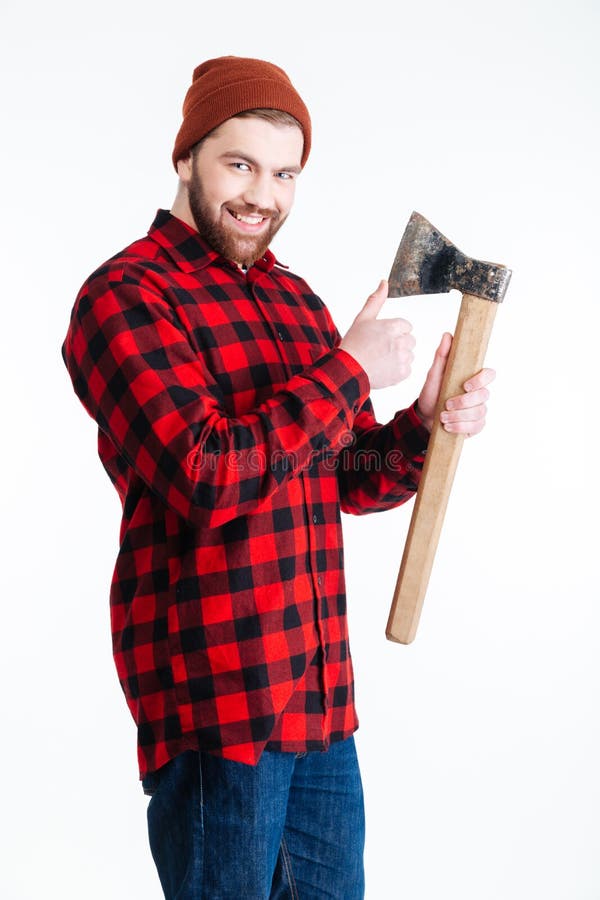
(189, 251)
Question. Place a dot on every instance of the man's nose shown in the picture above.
(260, 193)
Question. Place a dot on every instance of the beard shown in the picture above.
(242, 249)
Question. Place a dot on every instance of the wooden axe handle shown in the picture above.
(466, 357)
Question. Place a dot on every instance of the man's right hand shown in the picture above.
(383, 347)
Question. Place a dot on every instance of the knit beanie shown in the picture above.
(228, 85)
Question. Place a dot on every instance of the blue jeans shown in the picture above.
(290, 828)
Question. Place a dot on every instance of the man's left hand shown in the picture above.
(464, 414)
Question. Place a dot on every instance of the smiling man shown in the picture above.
(235, 423)
(236, 202)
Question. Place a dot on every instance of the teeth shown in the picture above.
(249, 220)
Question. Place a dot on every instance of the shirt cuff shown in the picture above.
(410, 432)
(339, 373)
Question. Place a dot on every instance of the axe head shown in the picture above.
(428, 263)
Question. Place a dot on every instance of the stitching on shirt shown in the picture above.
(287, 865)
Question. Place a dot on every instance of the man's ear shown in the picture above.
(184, 167)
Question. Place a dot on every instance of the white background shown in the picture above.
(480, 741)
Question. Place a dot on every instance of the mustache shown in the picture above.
(256, 211)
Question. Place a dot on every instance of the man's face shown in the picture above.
(246, 168)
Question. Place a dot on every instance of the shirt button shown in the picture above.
(280, 333)
(315, 518)
(356, 407)
(319, 580)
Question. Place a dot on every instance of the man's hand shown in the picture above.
(464, 414)
(383, 347)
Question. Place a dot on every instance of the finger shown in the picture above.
(374, 301)
(464, 401)
(481, 379)
(441, 354)
(444, 346)
(464, 415)
(440, 358)
(465, 427)
(430, 392)
(397, 325)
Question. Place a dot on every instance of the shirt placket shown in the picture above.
(314, 521)
(318, 529)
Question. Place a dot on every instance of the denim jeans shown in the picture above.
(290, 828)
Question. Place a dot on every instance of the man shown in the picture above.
(235, 423)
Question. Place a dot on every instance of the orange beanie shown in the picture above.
(228, 85)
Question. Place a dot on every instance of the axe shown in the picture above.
(428, 263)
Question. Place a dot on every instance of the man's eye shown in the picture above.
(241, 166)
(285, 176)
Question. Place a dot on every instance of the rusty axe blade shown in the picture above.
(428, 263)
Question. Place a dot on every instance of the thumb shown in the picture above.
(374, 301)
(429, 395)
(441, 354)
(436, 372)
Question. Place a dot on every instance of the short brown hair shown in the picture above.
(276, 116)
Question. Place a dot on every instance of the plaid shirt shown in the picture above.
(234, 430)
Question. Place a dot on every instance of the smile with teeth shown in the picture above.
(248, 220)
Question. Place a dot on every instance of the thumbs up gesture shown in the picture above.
(383, 347)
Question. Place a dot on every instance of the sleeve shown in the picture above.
(383, 466)
(380, 465)
(137, 375)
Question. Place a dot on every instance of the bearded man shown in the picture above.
(236, 424)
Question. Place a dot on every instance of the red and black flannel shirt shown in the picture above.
(234, 430)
